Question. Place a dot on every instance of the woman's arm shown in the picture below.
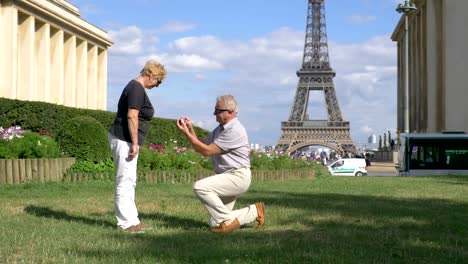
(132, 118)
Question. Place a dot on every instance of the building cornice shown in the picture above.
(400, 27)
(68, 6)
(65, 16)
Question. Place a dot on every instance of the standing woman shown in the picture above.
(126, 135)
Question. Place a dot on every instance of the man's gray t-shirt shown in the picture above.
(233, 140)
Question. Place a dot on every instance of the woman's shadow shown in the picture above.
(173, 221)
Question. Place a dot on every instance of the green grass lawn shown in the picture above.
(326, 220)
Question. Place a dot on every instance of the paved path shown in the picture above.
(381, 169)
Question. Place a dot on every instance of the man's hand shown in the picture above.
(184, 124)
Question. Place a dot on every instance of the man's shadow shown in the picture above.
(174, 221)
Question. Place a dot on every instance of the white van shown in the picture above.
(348, 167)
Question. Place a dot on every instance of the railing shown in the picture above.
(176, 177)
(315, 123)
(14, 171)
(17, 171)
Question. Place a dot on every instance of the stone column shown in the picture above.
(102, 79)
(57, 66)
(42, 62)
(69, 71)
(25, 57)
(92, 85)
(81, 73)
(8, 50)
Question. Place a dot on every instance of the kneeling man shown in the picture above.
(228, 147)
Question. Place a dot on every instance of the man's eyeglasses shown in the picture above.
(218, 110)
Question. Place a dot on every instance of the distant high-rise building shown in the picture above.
(372, 139)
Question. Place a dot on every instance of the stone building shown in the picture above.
(49, 53)
(438, 66)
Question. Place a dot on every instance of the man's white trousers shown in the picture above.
(219, 193)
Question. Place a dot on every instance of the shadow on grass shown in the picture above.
(62, 215)
(326, 228)
(451, 179)
(169, 221)
(174, 221)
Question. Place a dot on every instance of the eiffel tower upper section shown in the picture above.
(315, 74)
(316, 44)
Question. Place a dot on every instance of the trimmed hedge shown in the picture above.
(40, 116)
(84, 138)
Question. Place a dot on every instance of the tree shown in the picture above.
(385, 141)
(380, 142)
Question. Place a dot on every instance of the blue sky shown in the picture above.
(252, 49)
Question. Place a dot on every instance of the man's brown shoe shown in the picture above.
(261, 213)
(223, 228)
(134, 229)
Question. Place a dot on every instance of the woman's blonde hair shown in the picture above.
(154, 69)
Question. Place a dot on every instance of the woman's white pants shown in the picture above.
(125, 180)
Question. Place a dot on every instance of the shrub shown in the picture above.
(28, 146)
(41, 116)
(84, 138)
(172, 157)
(88, 166)
(263, 161)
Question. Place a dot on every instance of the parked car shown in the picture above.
(348, 167)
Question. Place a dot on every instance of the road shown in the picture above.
(381, 169)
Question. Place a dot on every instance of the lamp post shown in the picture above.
(406, 9)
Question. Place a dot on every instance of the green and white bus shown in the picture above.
(433, 154)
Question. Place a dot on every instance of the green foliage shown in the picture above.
(263, 161)
(171, 157)
(30, 146)
(84, 138)
(39, 116)
(106, 166)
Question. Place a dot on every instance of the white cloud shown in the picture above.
(127, 41)
(175, 27)
(361, 19)
(261, 73)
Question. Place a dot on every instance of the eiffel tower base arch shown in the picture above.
(295, 138)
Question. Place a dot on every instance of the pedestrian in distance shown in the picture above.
(228, 147)
(126, 135)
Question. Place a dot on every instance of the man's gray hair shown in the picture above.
(229, 102)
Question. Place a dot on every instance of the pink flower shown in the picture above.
(158, 147)
(11, 132)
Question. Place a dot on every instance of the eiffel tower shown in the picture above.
(317, 75)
